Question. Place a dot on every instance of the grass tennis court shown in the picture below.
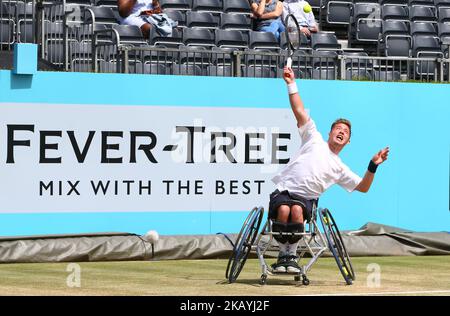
(398, 276)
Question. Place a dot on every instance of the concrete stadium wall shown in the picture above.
(411, 190)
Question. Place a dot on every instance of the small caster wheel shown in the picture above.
(305, 281)
(297, 278)
(263, 279)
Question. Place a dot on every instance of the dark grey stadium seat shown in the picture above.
(425, 43)
(198, 37)
(261, 57)
(178, 16)
(222, 56)
(175, 4)
(398, 46)
(260, 72)
(324, 41)
(444, 15)
(101, 15)
(339, 12)
(201, 19)
(175, 39)
(315, 4)
(25, 31)
(395, 27)
(444, 33)
(197, 55)
(442, 4)
(368, 30)
(23, 11)
(230, 38)
(7, 24)
(429, 3)
(360, 31)
(356, 60)
(324, 59)
(394, 12)
(106, 3)
(324, 73)
(161, 56)
(7, 27)
(426, 47)
(187, 70)
(81, 57)
(397, 2)
(386, 75)
(85, 32)
(262, 40)
(207, 5)
(130, 34)
(422, 28)
(236, 6)
(149, 69)
(304, 41)
(419, 13)
(395, 39)
(235, 22)
(302, 59)
(80, 2)
(54, 52)
(220, 71)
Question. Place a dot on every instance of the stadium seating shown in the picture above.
(390, 28)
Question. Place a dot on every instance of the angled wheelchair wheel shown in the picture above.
(336, 246)
(243, 244)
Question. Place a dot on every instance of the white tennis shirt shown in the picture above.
(314, 168)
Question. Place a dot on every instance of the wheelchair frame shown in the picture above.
(314, 242)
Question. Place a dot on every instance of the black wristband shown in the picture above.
(372, 167)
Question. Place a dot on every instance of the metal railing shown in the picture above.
(115, 57)
(17, 22)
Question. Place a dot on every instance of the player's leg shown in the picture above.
(283, 212)
(296, 225)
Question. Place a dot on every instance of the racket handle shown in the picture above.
(289, 62)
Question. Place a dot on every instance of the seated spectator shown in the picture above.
(306, 21)
(146, 14)
(267, 14)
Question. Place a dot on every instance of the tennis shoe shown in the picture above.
(291, 265)
(280, 265)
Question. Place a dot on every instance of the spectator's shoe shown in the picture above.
(291, 265)
(280, 265)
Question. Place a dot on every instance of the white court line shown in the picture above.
(380, 293)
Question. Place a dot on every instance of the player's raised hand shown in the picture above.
(288, 75)
(381, 156)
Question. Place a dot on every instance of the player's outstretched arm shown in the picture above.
(294, 98)
(377, 160)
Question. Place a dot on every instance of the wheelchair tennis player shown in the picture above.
(314, 168)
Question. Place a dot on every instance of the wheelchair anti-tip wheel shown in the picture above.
(243, 244)
(336, 246)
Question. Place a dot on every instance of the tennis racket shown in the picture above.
(292, 34)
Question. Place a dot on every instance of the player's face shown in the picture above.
(340, 134)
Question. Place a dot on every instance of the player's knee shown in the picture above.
(283, 213)
(296, 214)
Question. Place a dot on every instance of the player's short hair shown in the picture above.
(343, 121)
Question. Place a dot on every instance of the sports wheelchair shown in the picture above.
(312, 242)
